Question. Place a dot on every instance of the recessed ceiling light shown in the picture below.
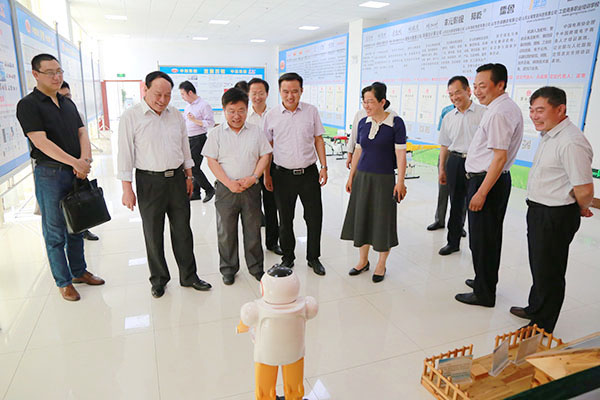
(374, 4)
(199, 38)
(309, 28)
(258, 40)
(116, 17)
(218, 21)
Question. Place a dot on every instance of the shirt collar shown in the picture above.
(226, 127)
(198, 100)
(471, 108)
(252, 112)
(146, 108)
(558, 128)
(389, 120)
(42, 96)
(283, 109)
(498, 100)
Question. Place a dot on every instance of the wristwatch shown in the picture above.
(255, 177)
(191, 178)
(324, 167)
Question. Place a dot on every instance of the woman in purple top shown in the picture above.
(371, 214)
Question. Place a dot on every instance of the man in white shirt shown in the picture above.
(258, 93)
(491, 153)
(458, 128)
(559, 192)
(153, 139)
(238, 154)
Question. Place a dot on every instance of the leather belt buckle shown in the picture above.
(299, 171)
(170, 173)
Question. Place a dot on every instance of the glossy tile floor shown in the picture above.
(367, 342)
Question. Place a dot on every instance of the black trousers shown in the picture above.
(200, 180)
(159, 196)
(485, 235)
(271, 219)
(550, 231)
(442, 201)
(457, 188)
(286, 189)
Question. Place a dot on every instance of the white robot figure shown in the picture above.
(278, 320)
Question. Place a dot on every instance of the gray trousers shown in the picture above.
(442, 202)
(230, 206)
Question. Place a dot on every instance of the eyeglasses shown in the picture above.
(369, 102)
(240, 113)
(52, 74)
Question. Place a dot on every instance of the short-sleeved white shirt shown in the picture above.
(459, 128)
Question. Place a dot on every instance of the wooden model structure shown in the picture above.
(512, 380)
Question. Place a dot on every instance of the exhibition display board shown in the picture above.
(541, 42)
(13, 144)
(210, 81)
(323, 66)
(71, 64)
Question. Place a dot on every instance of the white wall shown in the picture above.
(136, 58)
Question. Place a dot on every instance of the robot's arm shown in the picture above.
(249, 314)
(312, 307)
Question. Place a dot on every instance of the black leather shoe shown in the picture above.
(199, 285)
(520, 312)
(447, 249)
(463, 233)
(87, 235)
(379, 278)
(195, 197)
(258, 276)
(208, 196)
(470, 283)
(435, 226)
(157, 291)
(471, 299)
(316, 266)
(355, 271)
(287, 264)
(276, 249)
(228, 279)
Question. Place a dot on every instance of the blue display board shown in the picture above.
(36, 37)
(210, 81)
(13, 144)
(541, 42)
(323, 66)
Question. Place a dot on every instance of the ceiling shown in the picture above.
(276, 21)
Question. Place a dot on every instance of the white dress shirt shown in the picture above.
(151, 141)
(501, 128)
(563, 159)
(237, 153)
(458, 129)
(256, 118)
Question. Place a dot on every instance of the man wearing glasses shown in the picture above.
(61, 149)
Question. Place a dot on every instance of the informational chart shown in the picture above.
(323, 66)
(541, 42)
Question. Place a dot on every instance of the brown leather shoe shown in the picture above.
(89, 278)
(69, 293)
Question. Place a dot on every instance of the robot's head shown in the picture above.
(280, 285)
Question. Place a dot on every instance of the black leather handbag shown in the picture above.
(84, 207)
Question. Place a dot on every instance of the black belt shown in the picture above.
(53, 164)
(471, 175)
(295, 171)
(540, 205)
(456, 153)
(167, 174)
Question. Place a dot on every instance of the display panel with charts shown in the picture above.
(323, 66)
(88, 85)
(36, 37)
(13, 144)
(71, 63)
(541, 42)
(210, 81)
